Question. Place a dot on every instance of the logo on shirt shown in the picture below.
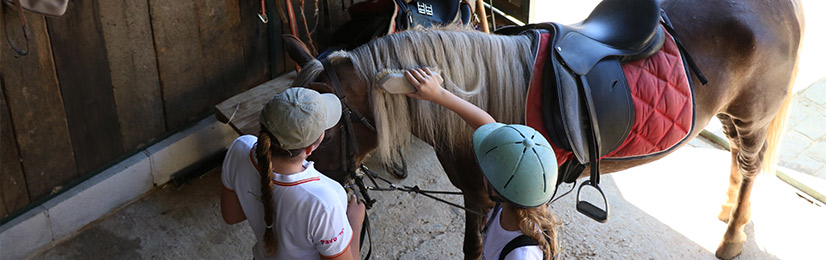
(332, 240)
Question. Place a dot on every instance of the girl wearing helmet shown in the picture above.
(519, 167)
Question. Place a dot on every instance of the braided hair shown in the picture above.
(269, 147)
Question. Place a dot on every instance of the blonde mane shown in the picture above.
(490, 71)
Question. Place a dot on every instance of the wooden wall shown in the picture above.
(111, 76)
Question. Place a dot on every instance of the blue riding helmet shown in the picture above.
(518, 163)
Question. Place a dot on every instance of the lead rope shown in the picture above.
(414, 189)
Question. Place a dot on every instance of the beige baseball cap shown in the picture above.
(298, 116)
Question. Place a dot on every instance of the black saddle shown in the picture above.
(587, 105)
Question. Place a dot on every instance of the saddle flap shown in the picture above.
(603, 94)
(581, 53)
(572, 111)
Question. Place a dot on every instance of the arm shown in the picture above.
(230, 207)
(355, 215)
(429, 89)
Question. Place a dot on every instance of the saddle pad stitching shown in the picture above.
(672, 121)
(684, 97)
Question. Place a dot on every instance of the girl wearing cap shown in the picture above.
(295, 211)
(519, 169)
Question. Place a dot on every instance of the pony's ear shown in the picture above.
(296, 49)
(321, 87)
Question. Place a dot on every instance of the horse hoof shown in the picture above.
(725, 213)
(729, 250)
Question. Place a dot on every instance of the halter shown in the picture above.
(349, 146)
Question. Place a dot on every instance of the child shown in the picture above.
(519, 170)
(295, 211)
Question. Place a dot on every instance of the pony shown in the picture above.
(747, 49)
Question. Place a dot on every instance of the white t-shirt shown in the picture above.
(310, 217)
(494, 239)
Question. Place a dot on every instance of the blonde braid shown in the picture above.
(265, 170)
(530, 218)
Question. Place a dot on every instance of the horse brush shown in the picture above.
(393, 81)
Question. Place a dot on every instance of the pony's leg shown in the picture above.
(465, 175)
(750, 140)
(734, 177)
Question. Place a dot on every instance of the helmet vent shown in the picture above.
(515, 170)
(544, 178)
(491, 149)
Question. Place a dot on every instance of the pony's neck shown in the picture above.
(490, 71)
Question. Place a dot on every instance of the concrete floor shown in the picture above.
(663, 210)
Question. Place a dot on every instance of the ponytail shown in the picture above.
(265, 170)
(530, 219)
(267, 148)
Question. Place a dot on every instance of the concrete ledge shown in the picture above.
(126, 181)
(25, 234)
(99, 195)
(205, 138)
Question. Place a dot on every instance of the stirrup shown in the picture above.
(588, 209)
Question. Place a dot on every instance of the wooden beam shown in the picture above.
(86, 85)
(179, 51)
(241, 111)
(275, 28)
(221, 46)
(13, 192)
(127, 31)
(36, 108)
(255, 44)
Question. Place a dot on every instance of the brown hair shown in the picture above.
(266, 148)
(530, 218)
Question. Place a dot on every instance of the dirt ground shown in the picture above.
(663, 210)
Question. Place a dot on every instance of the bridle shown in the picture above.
(349, 150)
(349, 147)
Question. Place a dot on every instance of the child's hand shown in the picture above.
(426, 83)
(355, 210)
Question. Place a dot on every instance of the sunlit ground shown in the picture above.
(684, 191)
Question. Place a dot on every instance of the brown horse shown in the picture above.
(746, 48)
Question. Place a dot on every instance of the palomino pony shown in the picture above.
(746, 48)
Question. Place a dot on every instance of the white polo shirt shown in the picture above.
(310, 217)
(495, 238)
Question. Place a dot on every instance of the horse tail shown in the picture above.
(778, 124)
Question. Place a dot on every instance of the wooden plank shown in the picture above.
(275, 28)
(241, 111)
(13, 192)
(86, 85)
(178, 50)
(127, 32)
(36, 108)
(255, 44)
(221, 46)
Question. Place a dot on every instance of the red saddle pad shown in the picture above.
(663, 103)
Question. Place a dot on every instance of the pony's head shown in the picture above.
(490, 71)
(329, 156)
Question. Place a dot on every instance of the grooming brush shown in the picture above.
(393, 81)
